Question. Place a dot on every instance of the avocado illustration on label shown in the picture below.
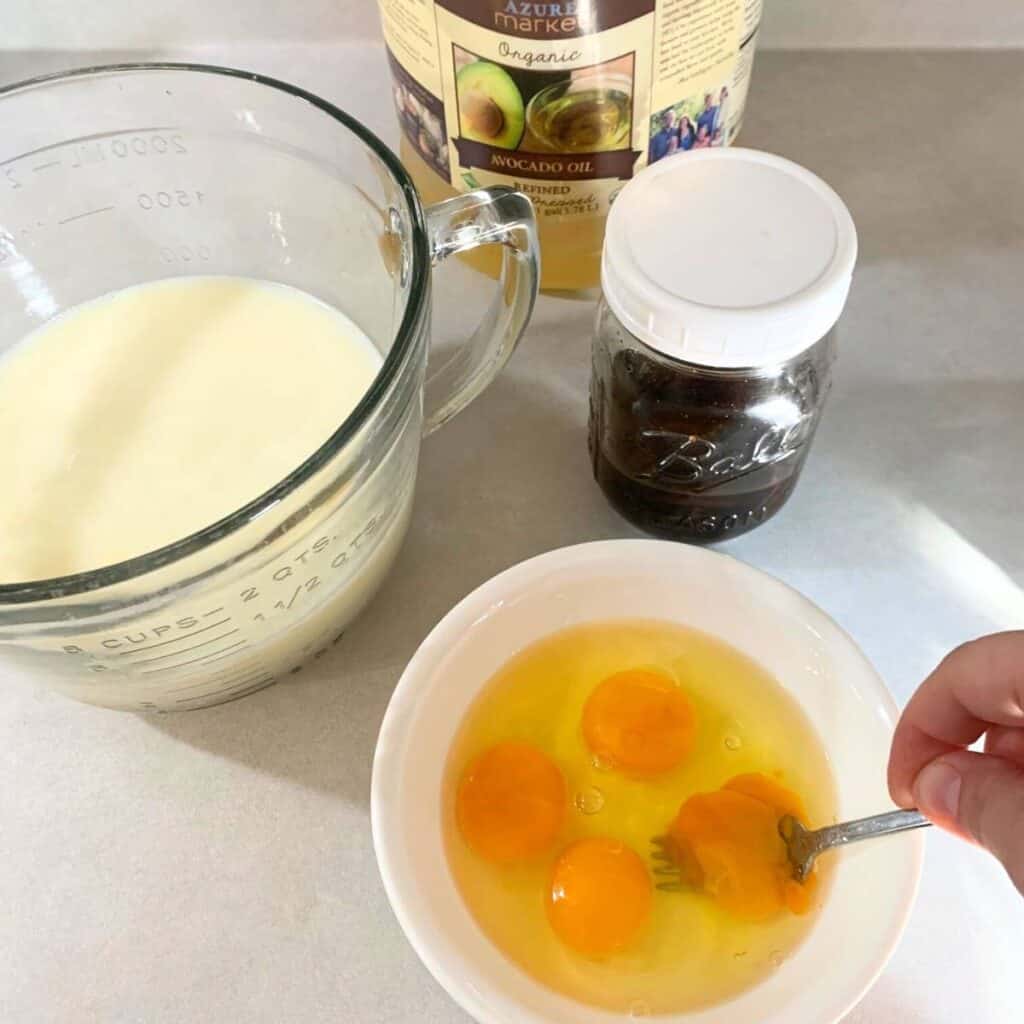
(491, 107)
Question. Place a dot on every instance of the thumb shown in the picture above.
(981, 797)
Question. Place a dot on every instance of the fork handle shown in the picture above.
(868, 828)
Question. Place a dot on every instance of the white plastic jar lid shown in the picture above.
(728, 257)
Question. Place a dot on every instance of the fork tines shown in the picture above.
(665, 866)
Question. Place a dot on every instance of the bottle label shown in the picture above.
(567, 99)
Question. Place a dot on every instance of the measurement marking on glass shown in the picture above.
(258, 685)
(226, 652)
(87, 138)
(241, 690)
(245, 693)
(171, 668)
(222, 677)
(237, 691)
(216, 611)
(259, 677)
(47, 166)
(267, 677)
(230, 673)
(195, 647)
(88, 213)
(247, 676)
(177, 639)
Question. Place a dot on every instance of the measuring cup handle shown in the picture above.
(497, 215)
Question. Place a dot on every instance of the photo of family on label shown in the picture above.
(695, 123)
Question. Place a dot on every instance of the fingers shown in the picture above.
(978, 686)
(978, 690)
(981, 797)
(1005, 742)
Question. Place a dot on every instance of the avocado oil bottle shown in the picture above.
(565, 100)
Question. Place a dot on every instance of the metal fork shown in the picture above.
(802, 845)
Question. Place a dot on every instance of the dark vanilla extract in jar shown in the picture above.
(723, 276)
(697, 454)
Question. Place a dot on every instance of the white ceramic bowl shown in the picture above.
(873, 885)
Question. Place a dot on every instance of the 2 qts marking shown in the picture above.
(285, 573)
(112, 647)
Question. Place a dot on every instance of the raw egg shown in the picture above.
(639, 721)
(600, 896)
(511, 803)
(728, 844)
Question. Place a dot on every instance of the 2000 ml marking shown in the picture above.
(89, 150)
(97, 151)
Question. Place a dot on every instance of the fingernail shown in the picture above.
(938, 791)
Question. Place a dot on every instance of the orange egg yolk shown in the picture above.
(511, 803)
(640, 722)
(600, 896)
(728, 844)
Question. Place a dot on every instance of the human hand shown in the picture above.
(978, 690)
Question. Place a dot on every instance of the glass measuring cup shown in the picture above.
(110, 177)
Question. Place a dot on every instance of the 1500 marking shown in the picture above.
(165, 200)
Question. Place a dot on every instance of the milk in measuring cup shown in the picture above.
(134, 420)
(139, 418)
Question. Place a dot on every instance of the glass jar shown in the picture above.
(693, 452)
(713, 352)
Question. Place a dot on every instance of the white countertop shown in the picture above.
(217, 865)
